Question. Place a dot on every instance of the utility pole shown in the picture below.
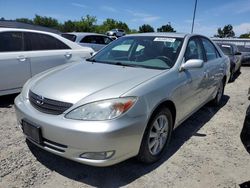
(194, 16)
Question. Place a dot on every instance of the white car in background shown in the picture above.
(116, 32)
(92, 40)
(24, 53)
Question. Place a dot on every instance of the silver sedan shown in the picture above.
(125, 101)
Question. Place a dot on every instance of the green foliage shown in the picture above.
(166, 28)
(226, 32)
(109, 24)
(145, 28)
(24, 20)
(46, 21)
(245, 35)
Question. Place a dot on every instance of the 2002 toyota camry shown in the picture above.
(124, 101)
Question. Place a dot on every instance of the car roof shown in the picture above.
(80, 34)
(161, 34)
(25, 30)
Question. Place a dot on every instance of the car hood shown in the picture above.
(96, 80)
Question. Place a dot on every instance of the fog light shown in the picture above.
(98, 155)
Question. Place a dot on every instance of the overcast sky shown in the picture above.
(210, 15)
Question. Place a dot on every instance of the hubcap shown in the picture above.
(158, 135)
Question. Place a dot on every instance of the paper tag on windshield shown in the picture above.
(163, 39)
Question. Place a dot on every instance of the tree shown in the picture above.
(226, 32)
(145, 28)
(2, 18)
(24, 20)
(109, 24)
(166, 28)
(86, 24)
(245, 35)
(45, 21)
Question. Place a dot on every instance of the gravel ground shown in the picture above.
(205, 151)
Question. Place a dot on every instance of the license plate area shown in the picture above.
(32, 131)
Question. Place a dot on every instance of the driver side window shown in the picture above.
(194, 50)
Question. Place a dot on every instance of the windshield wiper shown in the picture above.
(125, 64)
(91, 60)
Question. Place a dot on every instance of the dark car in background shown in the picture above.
(245, 51)
(232, 51)
(245, 133)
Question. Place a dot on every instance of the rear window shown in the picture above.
(227, 50)
(11, 41)
(69, 37)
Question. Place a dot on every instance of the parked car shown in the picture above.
(245, 51)
(231, 50)
(245, 133)
(92, 40)
(116, 32)
(124, 101)
(24, 53)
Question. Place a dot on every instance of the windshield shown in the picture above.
(141, 51)
(227, 50)
(70, 37)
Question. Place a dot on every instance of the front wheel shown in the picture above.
(156, 137)
(220, 92)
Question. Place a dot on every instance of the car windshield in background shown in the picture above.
(70, 37)
(140, 51)
(227, 50)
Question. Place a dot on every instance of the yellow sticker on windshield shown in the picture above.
(164, 39)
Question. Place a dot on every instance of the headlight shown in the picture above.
(102, 110)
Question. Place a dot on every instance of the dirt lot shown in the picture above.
(206, 151)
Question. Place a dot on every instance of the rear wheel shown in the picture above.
(231, 79)
(156, 137)
(220, 92)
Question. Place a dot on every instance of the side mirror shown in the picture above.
(237, 53)
(192, 64)
(93, 53)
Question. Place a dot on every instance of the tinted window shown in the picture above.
(210, 50)
(194, 50)
(96, 40)
(37, 41)
(69, 37)
(11, 41)
(107, 40)
(120, 30)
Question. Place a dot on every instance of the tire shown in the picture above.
(220, 92)
(231, 79)
(150, 151)
(238, 71)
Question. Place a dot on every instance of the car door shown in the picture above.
(14, 64)
(45, 51)
(238, 57)
(192, 79)
(213, 68)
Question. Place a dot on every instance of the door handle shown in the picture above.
(68, 55)
(206, 75)
(21, 58)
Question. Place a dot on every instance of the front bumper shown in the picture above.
(71, 138)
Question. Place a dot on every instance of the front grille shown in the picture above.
(48, 106)
(54, 146)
